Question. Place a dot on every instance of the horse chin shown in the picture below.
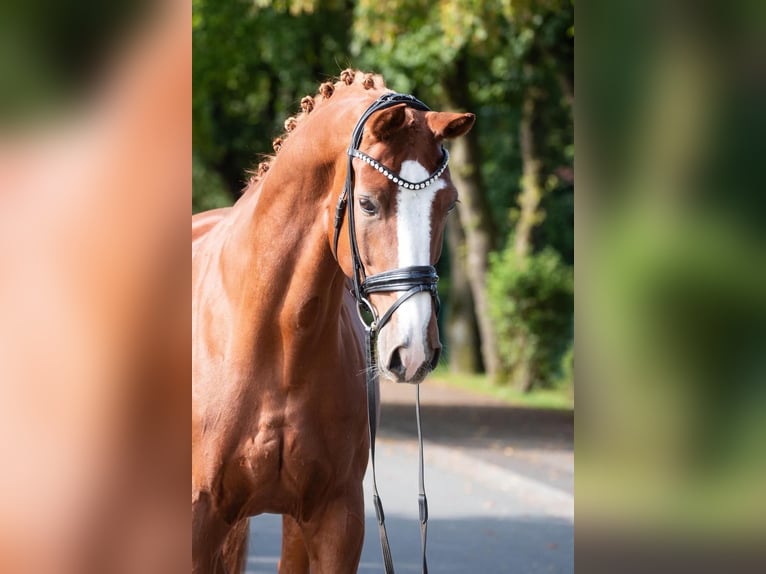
(420, 375)
(416, 379)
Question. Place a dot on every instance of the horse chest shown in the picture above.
(287, 465)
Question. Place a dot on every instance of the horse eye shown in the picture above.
(367, 206)
(453, 206)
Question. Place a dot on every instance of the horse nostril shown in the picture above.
(435, 358)
(395, 365)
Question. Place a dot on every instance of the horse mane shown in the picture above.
(348, 77)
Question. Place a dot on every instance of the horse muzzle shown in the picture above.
(408, 365)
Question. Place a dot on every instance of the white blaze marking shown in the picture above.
(413, 230)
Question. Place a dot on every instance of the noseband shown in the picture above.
(410, 280)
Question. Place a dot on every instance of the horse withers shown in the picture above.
(279, 422)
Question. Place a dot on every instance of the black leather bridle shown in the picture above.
(410, 280)
(414, 279)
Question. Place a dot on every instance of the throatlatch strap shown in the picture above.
(372, 424)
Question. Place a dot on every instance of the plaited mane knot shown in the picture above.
(327, 89)
(347, 76)
(290, 124)
(307, 104)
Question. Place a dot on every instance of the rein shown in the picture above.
(410, 280)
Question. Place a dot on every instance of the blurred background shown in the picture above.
(506, 276)
(671, 280)
(671, 275)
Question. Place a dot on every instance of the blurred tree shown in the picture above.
(462, 338)
(252, 64)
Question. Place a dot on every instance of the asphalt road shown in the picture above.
(500, 489)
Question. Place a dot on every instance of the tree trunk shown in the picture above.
(460, 330)
(531, 194)
(530, 216)
(475, 217)
(479, 240)
(567, 89)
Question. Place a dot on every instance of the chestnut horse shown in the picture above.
(278, 385)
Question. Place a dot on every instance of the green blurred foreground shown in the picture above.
(671, 431)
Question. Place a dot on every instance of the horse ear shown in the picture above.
(384, 124)
(448, 125)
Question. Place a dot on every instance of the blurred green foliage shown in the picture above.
(210, 189)
(532, 304)
(558, 398)
(52, 54)
(502, 48)
(251, 67)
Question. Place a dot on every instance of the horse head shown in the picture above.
(402, 194)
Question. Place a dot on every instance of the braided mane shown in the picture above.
(326, 90)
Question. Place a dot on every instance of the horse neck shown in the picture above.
(289, 212)
(276, 254)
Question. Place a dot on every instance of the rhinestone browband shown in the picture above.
(395, 177)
